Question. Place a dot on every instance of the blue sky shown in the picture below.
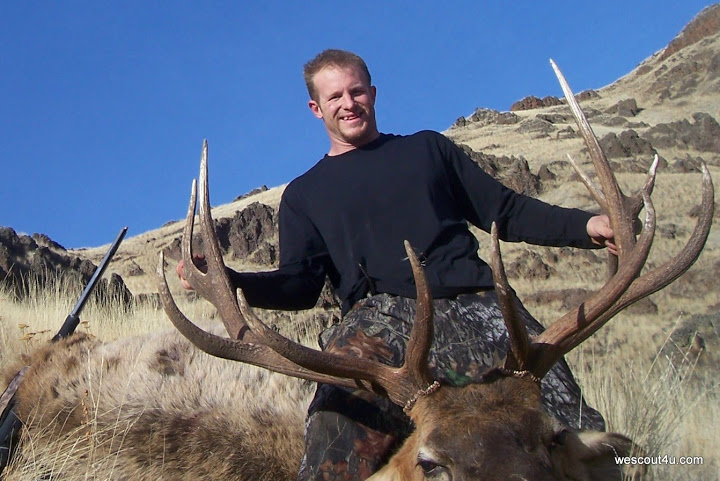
(104, 105)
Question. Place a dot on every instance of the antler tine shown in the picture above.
(635, 203)
(215, 285)
(399, 384)
(519, 354)
(615, 200)
(626, 285)
(421, 334)
(247, 352)
(594, 190)
(395, 383)
(666, 273)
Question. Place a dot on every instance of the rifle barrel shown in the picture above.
(72, 320)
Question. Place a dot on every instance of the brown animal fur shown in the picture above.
(503, 434)
(155, 407)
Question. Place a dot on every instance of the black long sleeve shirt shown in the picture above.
(347, 218)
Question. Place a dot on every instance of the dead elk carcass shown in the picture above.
(154, 407)
(494, 430)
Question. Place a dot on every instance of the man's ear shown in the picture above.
(315, 108)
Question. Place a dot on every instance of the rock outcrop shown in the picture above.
(705, 24)
(25, 260)
(513, 172)
(702, 135)
(531, 102)
(249, 235)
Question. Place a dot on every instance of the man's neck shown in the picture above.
(339, 148)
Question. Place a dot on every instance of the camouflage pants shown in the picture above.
(350, 434)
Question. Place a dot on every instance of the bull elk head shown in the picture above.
(493, 430)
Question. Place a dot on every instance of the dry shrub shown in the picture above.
(664, 404)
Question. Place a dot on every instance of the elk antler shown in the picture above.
(252, 342)
(626, 284)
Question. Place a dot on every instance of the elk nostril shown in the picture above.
(560, 438)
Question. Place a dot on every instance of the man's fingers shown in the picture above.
(180, 269)
(200, 263)
(611, 247)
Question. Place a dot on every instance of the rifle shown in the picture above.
(72, 320)
(9, 422)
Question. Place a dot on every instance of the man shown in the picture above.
(347, 217)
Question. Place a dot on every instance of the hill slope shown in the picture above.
(668, 105)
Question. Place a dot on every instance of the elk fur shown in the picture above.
(504, 434)
(154, 407)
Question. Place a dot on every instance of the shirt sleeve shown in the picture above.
(519, 218)
(300, 278)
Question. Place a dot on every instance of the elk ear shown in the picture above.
(592, 455)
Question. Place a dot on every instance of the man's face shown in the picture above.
(346, 104)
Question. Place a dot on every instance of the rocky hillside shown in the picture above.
(669, 105)
(28, 259)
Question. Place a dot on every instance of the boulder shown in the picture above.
(531, 102)
(249, 235)
(627, 144)
(624, 108)
(513, 172)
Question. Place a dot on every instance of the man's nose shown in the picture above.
(348, 102)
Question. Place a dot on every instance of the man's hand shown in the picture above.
(599, 230)
(200, 263)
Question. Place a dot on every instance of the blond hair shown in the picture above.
(332, 58)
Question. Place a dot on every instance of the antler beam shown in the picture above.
(251, 341)
(626, 284)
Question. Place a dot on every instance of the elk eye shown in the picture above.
(432, 470)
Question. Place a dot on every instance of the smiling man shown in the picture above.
(346, 218)
(345, 101)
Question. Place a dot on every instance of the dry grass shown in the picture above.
(665, 405)
(48, 454)
(40, 459)
(27, 323)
